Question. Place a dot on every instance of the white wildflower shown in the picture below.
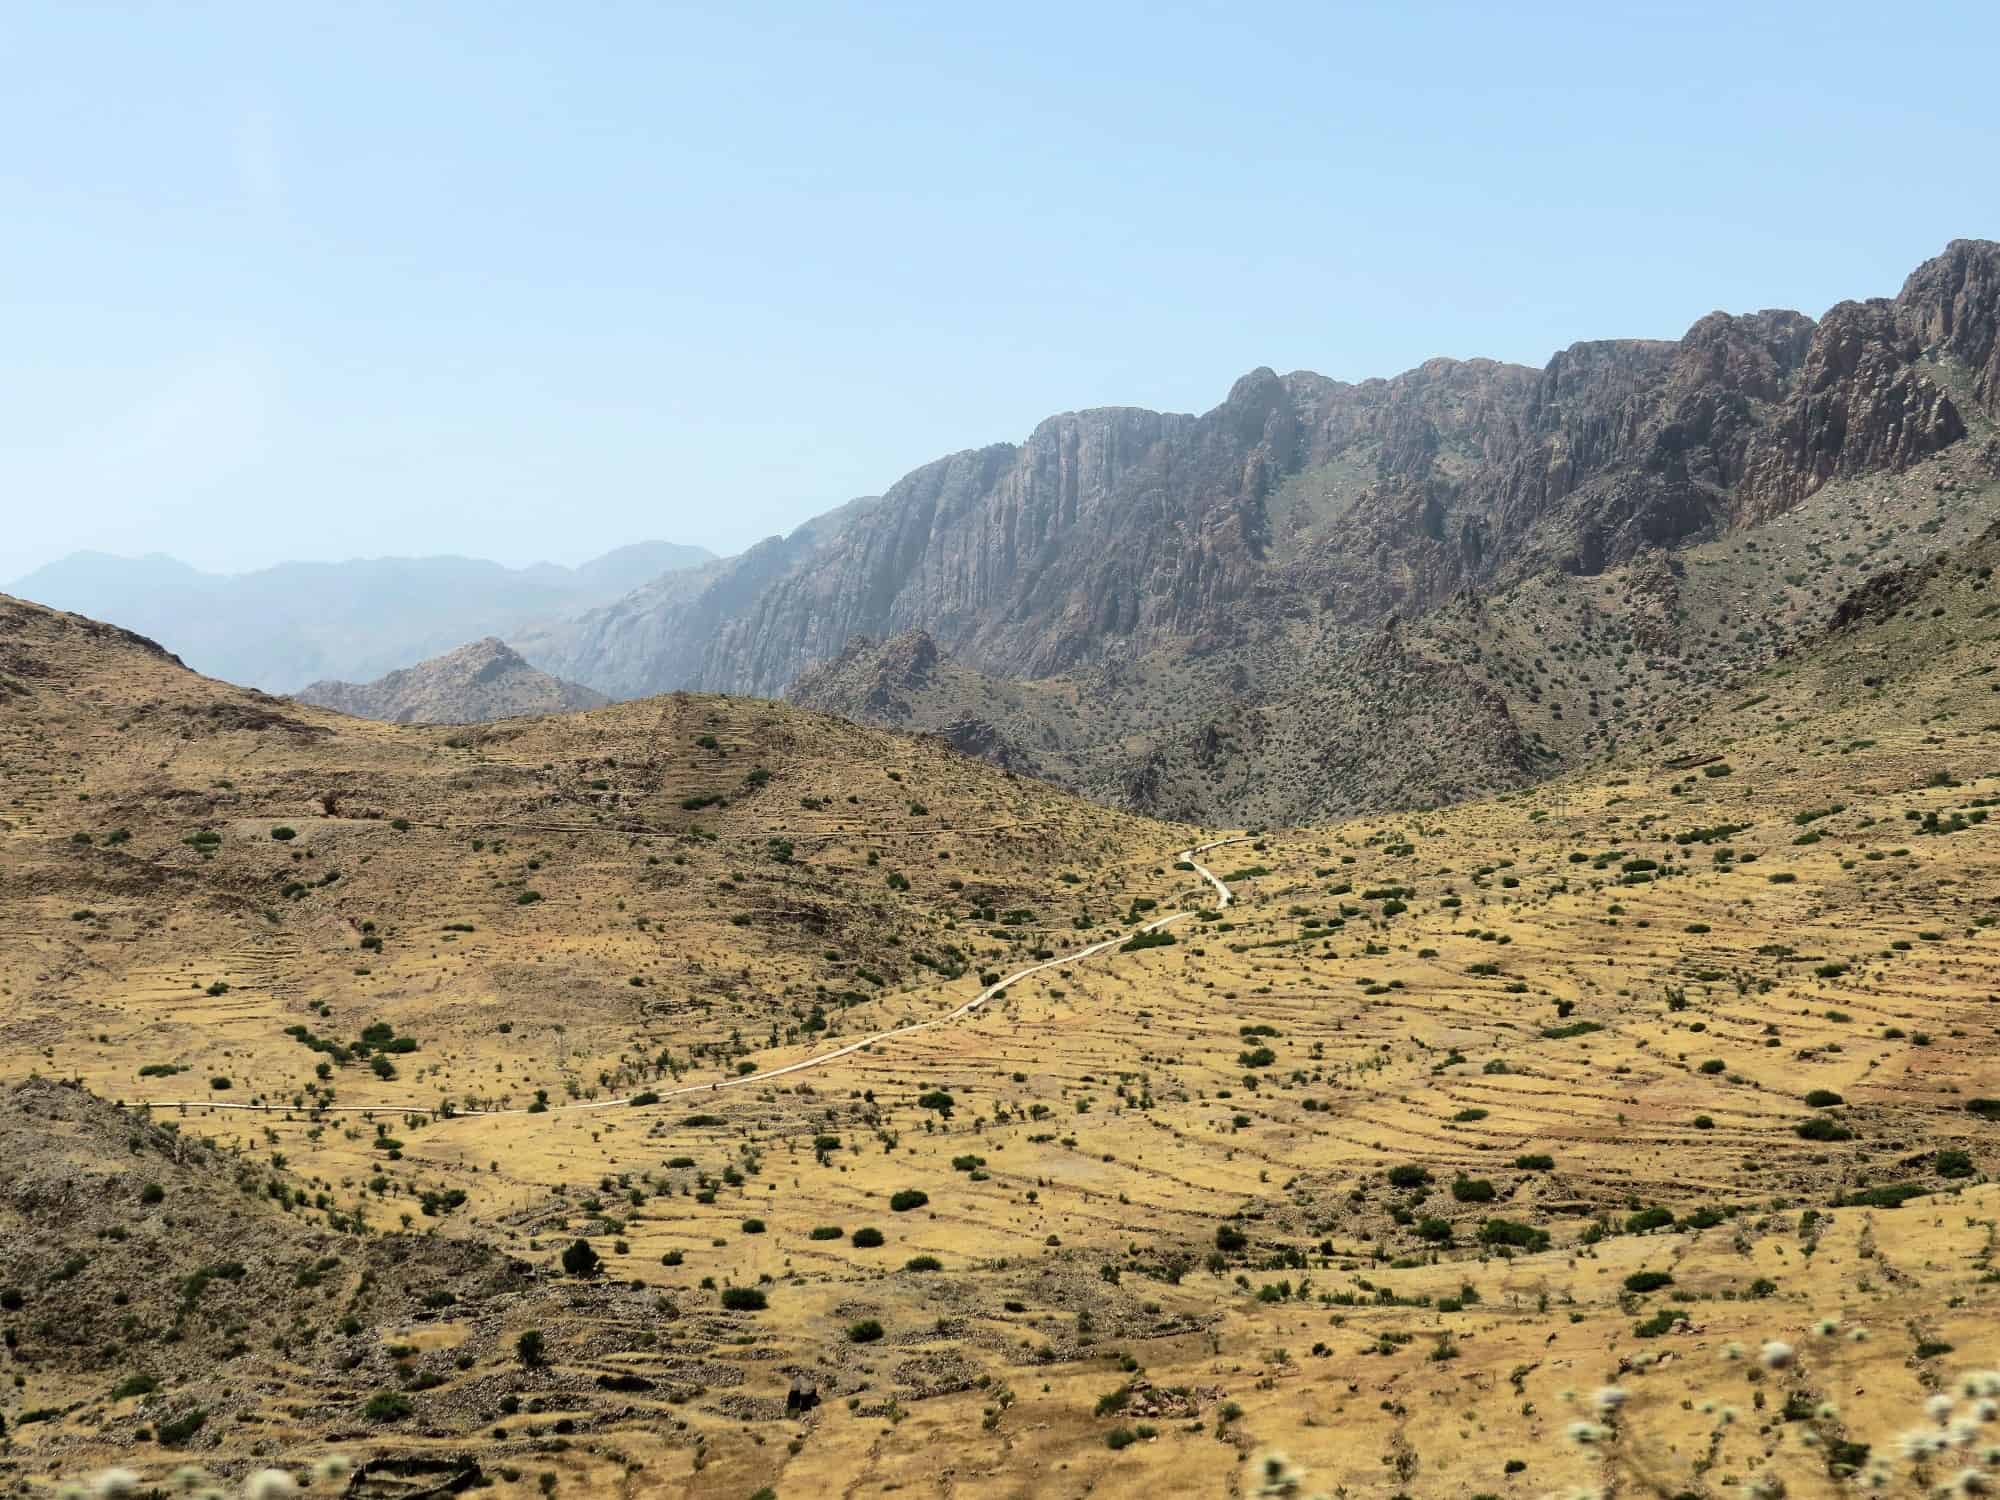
(188, 1478)
(1826, 1411)
(1826, 1328)
(1610, 1398)
(1583, 1434)
(1938, 1409)
(1776, 1355)
(1919, 1444)
(114, 1484)
(1281, 1480)
(332, 1468)
(1732, 1350)
(269, 1484)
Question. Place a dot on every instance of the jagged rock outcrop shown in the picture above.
(1951, 305)
(479, 682)
(1862, 405)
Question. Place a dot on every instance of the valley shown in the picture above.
(1360, 1167)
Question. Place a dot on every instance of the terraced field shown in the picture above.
(1444, 1115)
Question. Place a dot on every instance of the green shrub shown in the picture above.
(1509, 1232)
(172, 1432)
(908, 1199)
(743, 1299)
(867, 1331)
(386, 1406)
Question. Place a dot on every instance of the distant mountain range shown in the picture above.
(280, 628)
(474, 684)
(1316, 598)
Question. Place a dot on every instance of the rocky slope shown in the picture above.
(476, 683)
(1116, 533)
(1313, 717)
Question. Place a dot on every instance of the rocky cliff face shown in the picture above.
(1117, 533)
(1862, 405)
(1951, 306)
(483, 681)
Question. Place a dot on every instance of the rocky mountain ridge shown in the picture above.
(1114, 533)
(479, 682)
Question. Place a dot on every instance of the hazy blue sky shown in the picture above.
(523, 281)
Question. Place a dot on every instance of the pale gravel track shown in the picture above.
(818, 1060)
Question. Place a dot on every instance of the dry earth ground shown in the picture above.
(1157, 1186)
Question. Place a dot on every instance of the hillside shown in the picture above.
(279, 628)
(1484, 693)
(477, 683)
(1444, 1115)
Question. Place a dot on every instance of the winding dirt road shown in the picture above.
(817, 1060)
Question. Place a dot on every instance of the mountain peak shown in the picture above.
(481, 680)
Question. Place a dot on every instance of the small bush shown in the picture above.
(743, 1299)
(908, 1199)
(867, 1331)
(386, 1406)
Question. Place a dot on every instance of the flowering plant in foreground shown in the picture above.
(1950, 1448)
(197, 1484)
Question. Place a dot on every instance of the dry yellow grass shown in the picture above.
(1124, 1193)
